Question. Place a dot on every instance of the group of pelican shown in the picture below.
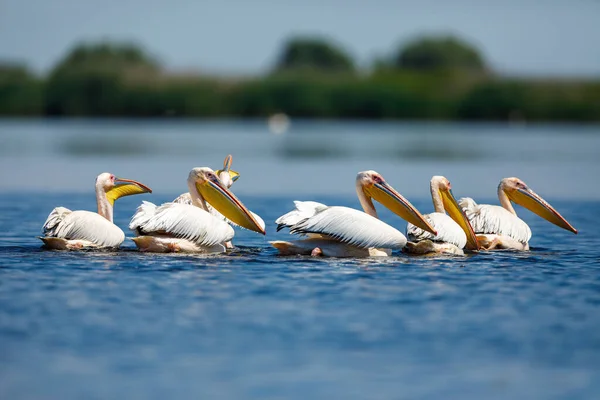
(202, 219)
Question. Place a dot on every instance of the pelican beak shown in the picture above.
(224, 201)
(395, 202)
(534, 203)
(125, 187)
(458, 215)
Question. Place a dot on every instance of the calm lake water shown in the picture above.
(250, 324)
(312, 157)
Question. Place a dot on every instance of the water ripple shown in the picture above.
(251, 324)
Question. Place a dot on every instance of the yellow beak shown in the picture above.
(125, 187)
(534, 203)
(395, 202)
(224, 201)
(458, 215)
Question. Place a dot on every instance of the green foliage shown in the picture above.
(313, 54)
(105, 56)
(437, 53)
(90, 79)
(121, 80)
(20, 91)
(537, 101)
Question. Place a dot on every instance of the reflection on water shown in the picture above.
(312, 156)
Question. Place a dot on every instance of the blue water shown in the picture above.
(313, 157)
(250, 324)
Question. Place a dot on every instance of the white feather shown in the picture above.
(303, 210)
(181, 221)
(184, 198)
(82, 226)
(491, 219)
(448, 230)
(343, 224)
(144, 213)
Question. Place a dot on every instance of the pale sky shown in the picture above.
(524, 37)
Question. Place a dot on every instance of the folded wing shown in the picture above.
(182, 221)
(82, 225)
(491, 219)
(343, 224)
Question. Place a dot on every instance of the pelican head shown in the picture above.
(227, 175)
(520, 193)
(116, 188)
(374, 186)
(214, 191)
(441, 185)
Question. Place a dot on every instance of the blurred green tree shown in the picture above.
(432, 53)
(20, 91)
(119, 56)
(89, 80)
(313, 54)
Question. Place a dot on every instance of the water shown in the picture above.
(250, 324)
(313, 157)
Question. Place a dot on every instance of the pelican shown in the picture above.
(179, 227)
(454, 231)
(499, 227)
(227, 176)
(69, 230)
(346, 232)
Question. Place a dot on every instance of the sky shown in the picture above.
(229, 37)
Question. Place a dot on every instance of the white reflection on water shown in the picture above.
(313, 157)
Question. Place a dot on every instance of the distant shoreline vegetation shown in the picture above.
(428, 78)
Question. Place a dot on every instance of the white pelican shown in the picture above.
(454, 231)
(67, 230)
(178, 227)
(227, 176)
(346, 232)
(499, 227)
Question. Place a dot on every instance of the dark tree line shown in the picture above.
(426, 78)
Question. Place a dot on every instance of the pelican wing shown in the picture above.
(182, 221)
(303, 210)
(82, 225)
(184, 198)
(343, 224)
(448, 231)
(143, 215)
(490, 219)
